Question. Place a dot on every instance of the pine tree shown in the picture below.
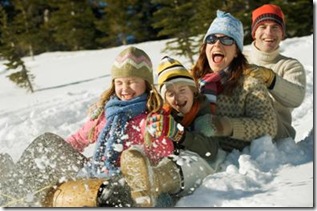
(9, 52)
(122, 22)
(72, 22)
(299, 17)
(175, 20)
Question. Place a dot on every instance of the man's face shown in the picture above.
(268, 36)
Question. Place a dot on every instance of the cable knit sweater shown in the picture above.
(289, 89)
(250, 112)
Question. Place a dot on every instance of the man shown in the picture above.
(285, 77)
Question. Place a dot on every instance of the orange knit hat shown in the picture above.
(268, 12)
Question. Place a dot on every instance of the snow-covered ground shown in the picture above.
(67, 83)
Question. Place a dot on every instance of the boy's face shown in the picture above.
(127, 88)
(268, 36)
(180, 97)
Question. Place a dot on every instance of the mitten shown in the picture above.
(211, 125)
(222, 126)
(203, 124)
(264, 74)
(164, 125)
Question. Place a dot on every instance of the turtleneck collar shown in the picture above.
(262, 57)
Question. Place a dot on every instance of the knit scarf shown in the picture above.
(112, 137)
(188, 117)
(212, 84)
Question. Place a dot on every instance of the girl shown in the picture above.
(115, 124)
(116, 120)
(197, 153)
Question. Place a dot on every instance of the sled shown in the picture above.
(47, 161)
(46, 175)
(6, 165)
(97, 192)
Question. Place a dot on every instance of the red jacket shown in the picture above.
(158, 149)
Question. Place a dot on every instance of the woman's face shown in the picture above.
(180, 97)
(220, 56)
(127, 88)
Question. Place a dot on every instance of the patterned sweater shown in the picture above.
(250, 112)
(290, 86)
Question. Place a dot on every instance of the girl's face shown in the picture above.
(180, 97)
(220, 56)
(127, 88)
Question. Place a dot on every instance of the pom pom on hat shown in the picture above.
(133, 62)
(172, 71)
(268, 12)
(228, 25)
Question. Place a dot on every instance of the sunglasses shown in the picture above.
(225, 40)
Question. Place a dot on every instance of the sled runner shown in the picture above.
(45, 162)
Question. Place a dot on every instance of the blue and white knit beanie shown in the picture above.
(228, 25)
(133, 62)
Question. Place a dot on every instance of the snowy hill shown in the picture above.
(67, 83)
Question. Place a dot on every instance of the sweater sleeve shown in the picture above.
(260, 117)
(81, 139)
(290, 84)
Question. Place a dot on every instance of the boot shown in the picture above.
(147, 182)
(76, 193)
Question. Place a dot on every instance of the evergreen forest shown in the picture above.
(31, 27)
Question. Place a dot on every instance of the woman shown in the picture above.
(240, 104)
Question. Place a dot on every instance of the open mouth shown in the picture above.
(269, 40)
(217, 57)
(127, 96)
(181, 105)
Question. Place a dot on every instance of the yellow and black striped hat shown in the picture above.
(172, 71)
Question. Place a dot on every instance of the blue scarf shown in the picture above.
(117, 113)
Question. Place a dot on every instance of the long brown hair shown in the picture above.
(236, 68)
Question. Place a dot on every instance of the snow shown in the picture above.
(67, 83)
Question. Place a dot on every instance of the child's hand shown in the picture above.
(164, 125)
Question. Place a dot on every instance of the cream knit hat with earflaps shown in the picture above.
(172, 71)
(133, 62)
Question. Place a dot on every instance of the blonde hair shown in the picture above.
(154, 103)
